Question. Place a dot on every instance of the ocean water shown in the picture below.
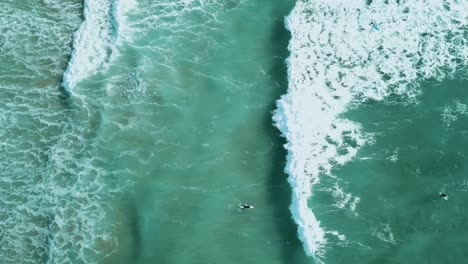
(368, 132)
(419, 151)
(131, 130)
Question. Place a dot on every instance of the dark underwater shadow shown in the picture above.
(135, 231)
(279, 189)
(128, 233)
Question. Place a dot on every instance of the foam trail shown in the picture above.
(347, 52)
(120, 8)
(95, 41)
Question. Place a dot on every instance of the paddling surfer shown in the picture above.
(246, 206)
(443, 196)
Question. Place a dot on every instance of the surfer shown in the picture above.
(246, 206)
(444, 196)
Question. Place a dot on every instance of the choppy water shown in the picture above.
(132, 129)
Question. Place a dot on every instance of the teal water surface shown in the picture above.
(419, 151)
(147, 160)
(143, 152)
(192, 129)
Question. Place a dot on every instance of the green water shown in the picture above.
(147, 160)
(419, 151)
(187, 122)
(35, 126)
(169, 128)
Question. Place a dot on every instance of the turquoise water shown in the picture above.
(155, 149)
(196, 139)
(132, 130)
(419, 152)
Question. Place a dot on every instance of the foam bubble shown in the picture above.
(394, 156)
(451, 112)
(344, 200)
(383, 231)
(346, 52)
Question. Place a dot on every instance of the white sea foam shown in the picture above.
(96, 40)
(34, 42)
(394, 156)
(53, 193)
(120, 9)
(453, 111)
(346, 52)
(344, 200)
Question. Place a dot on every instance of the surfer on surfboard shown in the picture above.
(444, 196)
(246, 206)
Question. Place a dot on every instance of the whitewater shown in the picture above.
(96, 40)
(344, 53)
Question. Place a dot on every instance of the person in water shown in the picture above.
(246, 206)
(443, 196)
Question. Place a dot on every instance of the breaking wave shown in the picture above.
(96, 39)
(347, 52)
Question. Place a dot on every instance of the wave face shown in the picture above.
(347, 52)
(96, 39)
